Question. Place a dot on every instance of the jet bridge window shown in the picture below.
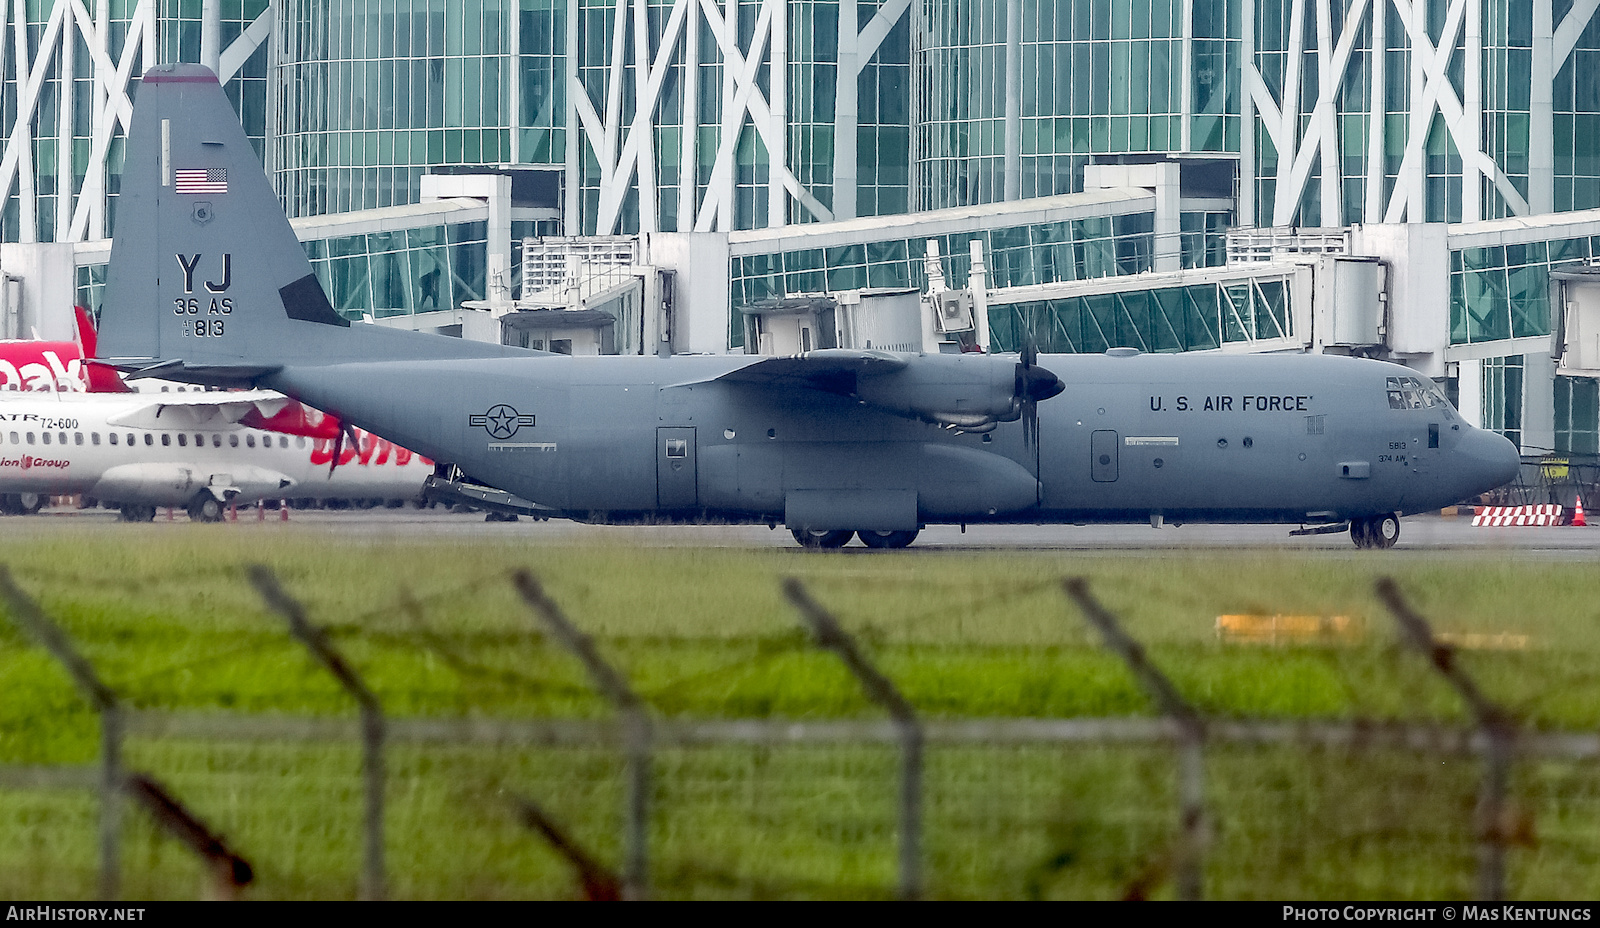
(677, 448)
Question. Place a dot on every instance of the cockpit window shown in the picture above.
(1397, 396)
(1412, 393)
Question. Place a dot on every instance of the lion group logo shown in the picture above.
(501, 421)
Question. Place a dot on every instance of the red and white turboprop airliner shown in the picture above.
(197, 450)
(70, 427)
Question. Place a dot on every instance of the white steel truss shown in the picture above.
(1306, 138)
(80, 212)
(624, 143)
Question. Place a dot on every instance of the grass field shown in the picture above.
(167, 617)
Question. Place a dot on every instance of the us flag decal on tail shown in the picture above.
(202, 180)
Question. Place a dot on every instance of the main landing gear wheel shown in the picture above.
(205, 508)
(819, 539)
(30, 503)
(1375, 532)
(133, 513)
(887, 539)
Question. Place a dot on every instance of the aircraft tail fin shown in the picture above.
(206, 270)
(100, 377)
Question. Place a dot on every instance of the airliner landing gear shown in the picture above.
(1376, 532)
(887, 539)
(135, 513)
(205, 508)
(21, 504)
(820, 539)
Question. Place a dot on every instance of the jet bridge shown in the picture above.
(1325, 303)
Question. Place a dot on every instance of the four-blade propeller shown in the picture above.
(1033, 384)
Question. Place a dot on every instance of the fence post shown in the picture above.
(27, 613)
(635, 731)
(228, 872)
(372, 722)
(599, 883)
(830, 636)
(1499, 732)
(1189, 865)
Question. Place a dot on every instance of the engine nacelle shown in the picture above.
(967, 391)
(176, 484)
(970, 392)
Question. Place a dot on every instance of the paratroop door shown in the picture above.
(677, 484)
(1103, 456)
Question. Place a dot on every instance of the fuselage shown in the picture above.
(1290, 438)
(104, 446)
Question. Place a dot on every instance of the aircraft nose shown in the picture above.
(1491, 460)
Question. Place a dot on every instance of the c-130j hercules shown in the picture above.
(208, 284)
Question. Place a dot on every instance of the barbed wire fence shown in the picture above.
(644, 763)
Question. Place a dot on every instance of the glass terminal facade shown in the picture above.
(672, 115)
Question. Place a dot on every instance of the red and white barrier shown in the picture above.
(1494, 516)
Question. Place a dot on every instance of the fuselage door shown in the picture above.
(677, 484)
(1103, 456)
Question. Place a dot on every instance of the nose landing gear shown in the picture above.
(1376, 531)
(205, 508)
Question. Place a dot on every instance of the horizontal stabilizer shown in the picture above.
(211, 375)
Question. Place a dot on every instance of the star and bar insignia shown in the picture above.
(501, 421)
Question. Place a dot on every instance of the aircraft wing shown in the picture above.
(834, 370)
(199, 410)
(970, 392)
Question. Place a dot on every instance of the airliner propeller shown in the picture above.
(338, 444)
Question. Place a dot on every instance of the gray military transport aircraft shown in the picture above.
(208, 284)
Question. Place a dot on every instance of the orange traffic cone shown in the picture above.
(1577, 513)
